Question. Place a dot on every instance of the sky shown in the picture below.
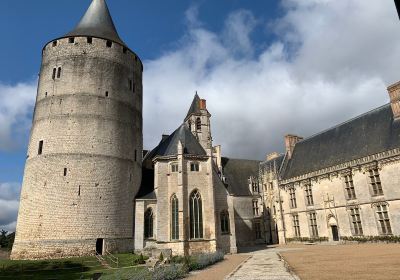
(266, 67)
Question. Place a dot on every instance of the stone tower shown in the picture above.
(83, 166)
(198, 120)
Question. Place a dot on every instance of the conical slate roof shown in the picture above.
(169, 146)
(97, 22)
(195, 107)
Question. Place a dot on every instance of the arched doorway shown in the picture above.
(334, 230)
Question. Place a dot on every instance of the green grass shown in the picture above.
(72, 268)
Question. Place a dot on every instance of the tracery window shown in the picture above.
(174, 218)
(225, 222)
(196, 215)
(148, 223)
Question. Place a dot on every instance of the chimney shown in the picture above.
(272, 156)
(164, 136)
(394, 93)
(203, 104)
(290, 142)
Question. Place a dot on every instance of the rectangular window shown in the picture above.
(59, 73)
(65, 172)
(355, 219)
(271, 186)
(292, 194)
(54, 73)
(313, 224)
(349, 187)
(174, 167)
(106, 93)
(71, 40)
(255, 207)
(124, 50)
(40, 150)
(257, 229)
(109, 44)
(195, 167)
(383, 220)
(255, 187)
(296, 225)
(375, 182)
(89, 40)
(309, 195)
(130, 84)
(135, 155)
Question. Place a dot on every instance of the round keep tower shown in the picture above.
(83, 166)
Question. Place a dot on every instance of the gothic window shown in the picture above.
(296, 225)
(355, 220)
(174, 218)
(195, 167)
(174, 167)
(313, 224)
(224, 222)
(257, 230)
(292, 194)
(382, 216)
(198, 124)
(375, 182)
(349, 187)
(196, 215)
(309, 195)
(59, 73)
(40, 149)
(255, 207)
(65, 172)
(148, 223)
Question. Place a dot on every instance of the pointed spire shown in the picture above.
(97, 22)
(195, 107)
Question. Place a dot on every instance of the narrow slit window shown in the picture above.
(79, 191)
(54, 43)
(124, 50)
(135, 155)
(65, 172)
(45, 94)
(59, 73)
(71, 40)
(133, 87)
(40, 150)
(54, 73)
(106, 93)
(109, 44)
(89, 40)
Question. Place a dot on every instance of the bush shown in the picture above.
(161, 258)
(307, 239)
(139, 260)
(170, 272)
(200, 261)
(6, 239)
(373, 239)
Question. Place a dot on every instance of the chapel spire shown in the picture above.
(97, 22)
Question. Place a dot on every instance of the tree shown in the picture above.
(3, 239)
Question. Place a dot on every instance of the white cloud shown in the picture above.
(331, 61)
(9, 203)
(16, 107)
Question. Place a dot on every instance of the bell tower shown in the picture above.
(198, 120)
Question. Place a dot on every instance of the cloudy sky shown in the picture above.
(266, 68)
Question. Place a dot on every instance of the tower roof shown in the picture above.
(97, 22)
(195, 107)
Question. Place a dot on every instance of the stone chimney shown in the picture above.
(203, 104)
(290, 142)
(394, 93)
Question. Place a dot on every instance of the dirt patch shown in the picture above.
(4, 255)
(220, 270)
(345, 262)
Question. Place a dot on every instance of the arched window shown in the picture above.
(59, 72)
(198, 124)
(174, 218)
(196, 215)
(224, 222)
(148, 223)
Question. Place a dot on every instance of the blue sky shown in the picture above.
(266, 67)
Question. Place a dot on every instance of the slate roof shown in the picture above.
(237, 172)
(97, 22)
(195, 107)
(169, 145)
(146, 190)
(368, 134)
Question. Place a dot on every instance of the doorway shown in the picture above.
(99, 246)
(335, 233)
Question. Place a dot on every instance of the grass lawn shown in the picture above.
(345, 262)
(72, 268)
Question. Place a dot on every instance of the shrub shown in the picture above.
(203, 260)
(373, 239)
(161, 258)
(307, 239)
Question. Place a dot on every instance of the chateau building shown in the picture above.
(89, 188)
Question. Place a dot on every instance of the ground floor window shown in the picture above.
(313, 224)
(355, 219)
(383, 219)
(296, 225)
(225, 222)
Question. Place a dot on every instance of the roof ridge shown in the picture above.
(344, 122)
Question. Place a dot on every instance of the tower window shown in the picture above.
(135, 155)
(124, 50)
(195, 167)
(133, 87)
(45, 94)
(198, 124)
(54, 43)
(130, 84)
(59, 73)
(106, 93)
(40, 150)
(89, 40)
(54, 73)
(65, 172)
(71, 40)
(79, 191)
(109, 44)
